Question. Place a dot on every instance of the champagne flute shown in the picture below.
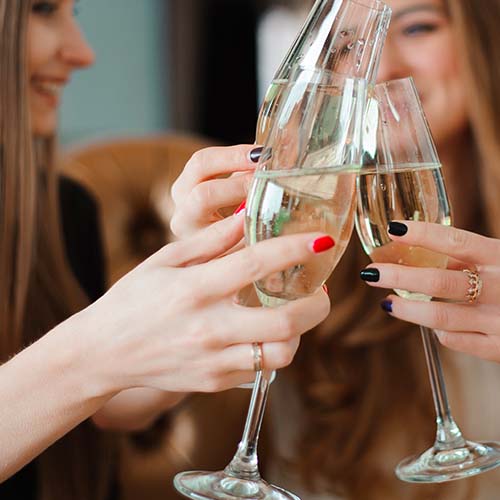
(344, 36)
(402, 180)
(305, 182)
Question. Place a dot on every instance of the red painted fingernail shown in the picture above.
(323, 244)
(241, 208)
(325, 288)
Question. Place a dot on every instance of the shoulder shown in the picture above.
(73, 195)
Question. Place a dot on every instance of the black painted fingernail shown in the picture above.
(371, 275)
(397, 229)
(387, 306)
(255, 154)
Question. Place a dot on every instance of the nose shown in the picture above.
(392, 65)
(76, 51)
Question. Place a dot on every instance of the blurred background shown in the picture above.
(197, 66)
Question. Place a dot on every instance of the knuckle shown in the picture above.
(284, 355)
(176, 226)
(174, 191)
(441, 317)
(252, 263)
(457, 239)
(324, 307)
(441, 283)
(200, 196)
(393, 273)
(241, 154)
(196, 162)
(213, 383)
(287, 326)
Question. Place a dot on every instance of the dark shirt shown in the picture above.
(82, 238)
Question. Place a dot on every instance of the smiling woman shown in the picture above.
(69, 369)
(56, 48)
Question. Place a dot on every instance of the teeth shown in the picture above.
(49, 88)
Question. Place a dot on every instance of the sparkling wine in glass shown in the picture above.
(403, 181)
(343, 36)
(305, 182)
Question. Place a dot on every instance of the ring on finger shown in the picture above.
(475, 286)
(257, 356)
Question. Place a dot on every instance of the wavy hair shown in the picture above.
(361, 375)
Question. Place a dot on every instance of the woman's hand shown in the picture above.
(204, 189)
(173, 323)
(466, 324)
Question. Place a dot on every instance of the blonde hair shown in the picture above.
(37, 289)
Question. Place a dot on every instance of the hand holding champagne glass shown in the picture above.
(305, 182)
(403, 181)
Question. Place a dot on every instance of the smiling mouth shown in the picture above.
(51, 90)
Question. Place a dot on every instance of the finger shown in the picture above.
(209, 163)
(446, 284)
(443, 316)
(203, 246)
(476, 344)
(280, 324)
(258, 261)
(457, 265)
(457, 243)
(200, 207)
(275, 355)
(228, 380)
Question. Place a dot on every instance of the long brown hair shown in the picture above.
(37, 289)
(361, 374)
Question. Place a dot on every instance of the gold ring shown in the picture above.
(257, 356)
(475, 286)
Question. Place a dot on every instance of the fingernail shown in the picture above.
(370, 275)
(255, 154)
(439, 334)
(387, 306)
(397, 229)
(323, 244)
(325, 288)
(240, 208)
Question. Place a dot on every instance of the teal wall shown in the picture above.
(126, 92)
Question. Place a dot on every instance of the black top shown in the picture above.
(84, 250)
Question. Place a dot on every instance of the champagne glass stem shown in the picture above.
(448, 434)
(244, 464)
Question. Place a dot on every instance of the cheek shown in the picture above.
(35, 46)
(40, 57)
(439, 81)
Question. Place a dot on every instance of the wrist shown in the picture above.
(80, 353)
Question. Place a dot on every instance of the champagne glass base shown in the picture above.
(435, 466)
(221, 486)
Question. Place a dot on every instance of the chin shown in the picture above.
(47, 129)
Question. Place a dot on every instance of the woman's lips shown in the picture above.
(49, 90)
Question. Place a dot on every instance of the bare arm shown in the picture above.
(158, 327)
(46, 391)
